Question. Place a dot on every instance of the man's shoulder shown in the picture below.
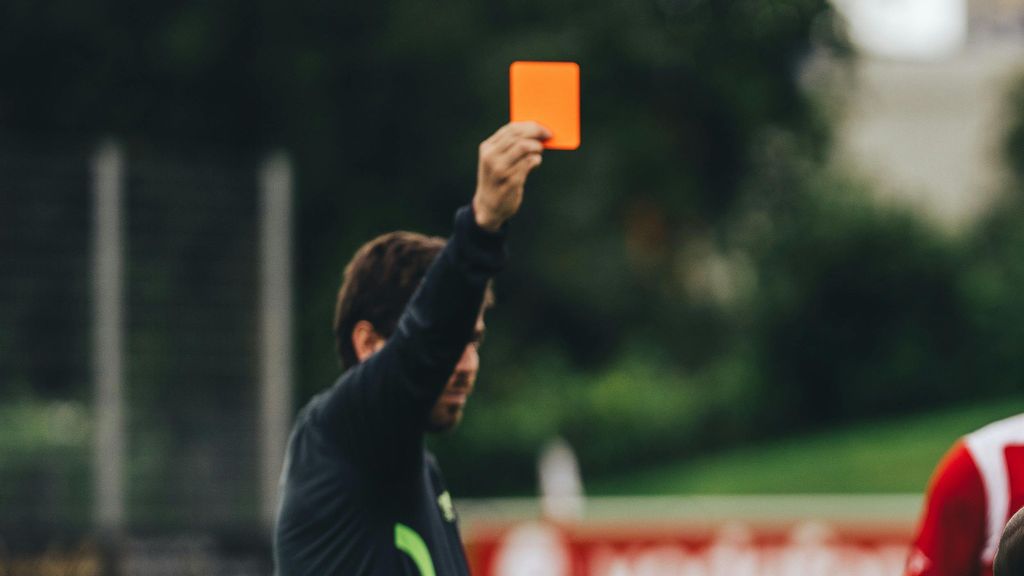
(313, 424)
(987, 446)
(430, 460)
(329, 394)
(999, 433)
(958, 475)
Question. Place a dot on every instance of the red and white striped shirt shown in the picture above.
(975, 489)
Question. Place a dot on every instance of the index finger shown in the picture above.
(528, 129)
(505, 137)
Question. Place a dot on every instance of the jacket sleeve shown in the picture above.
(387, 399)
(951, 533)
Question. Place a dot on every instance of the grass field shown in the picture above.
(888, 456)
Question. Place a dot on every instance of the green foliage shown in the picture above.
(995, 273)
(858, 310)
(991, 284)
(895, 454)
(691, 277)
(43, 308)
(1013, 150)
(641, 410)
(382, 107)
(45, 458)
(854, 311)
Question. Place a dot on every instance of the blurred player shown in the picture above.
(360, 493)
(1010, 556)
(976, 488)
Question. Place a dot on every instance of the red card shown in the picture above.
(548, 93)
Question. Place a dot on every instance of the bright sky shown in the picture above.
(906, 29)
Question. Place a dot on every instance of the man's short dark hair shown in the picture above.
(1010, 555)
(379, 281)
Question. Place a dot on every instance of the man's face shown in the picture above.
(447, 411)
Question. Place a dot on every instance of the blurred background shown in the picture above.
(740, 325)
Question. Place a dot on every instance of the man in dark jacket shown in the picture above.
(360, 493)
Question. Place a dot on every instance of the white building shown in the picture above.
(925, 112)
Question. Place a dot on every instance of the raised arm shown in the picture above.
(387, 398)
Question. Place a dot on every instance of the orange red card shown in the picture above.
(548, 93)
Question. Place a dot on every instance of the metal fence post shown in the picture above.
(276, 325)
(108, 331)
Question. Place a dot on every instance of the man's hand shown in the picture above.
(505, 160)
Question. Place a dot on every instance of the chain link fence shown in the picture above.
(189, 310)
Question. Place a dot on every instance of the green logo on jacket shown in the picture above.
(444, 501)
(408, 541)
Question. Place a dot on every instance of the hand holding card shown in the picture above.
(548, 93)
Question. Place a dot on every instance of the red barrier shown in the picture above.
(806, 546)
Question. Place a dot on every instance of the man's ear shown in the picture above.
(365, 340)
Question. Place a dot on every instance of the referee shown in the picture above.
(360, 493)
